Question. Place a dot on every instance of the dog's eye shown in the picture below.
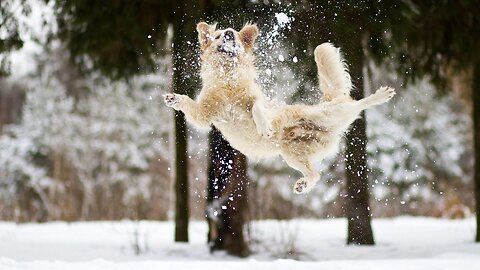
(218, 36)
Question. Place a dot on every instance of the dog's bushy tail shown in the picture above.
(333, 73)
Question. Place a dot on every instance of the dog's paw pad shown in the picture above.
(170, 99)
(268, 133)
(300, 187)
(265, 131)
(385, 93)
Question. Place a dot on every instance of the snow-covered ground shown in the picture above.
(402, 243)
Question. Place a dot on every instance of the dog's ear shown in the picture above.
(248, 34)
(205, 34)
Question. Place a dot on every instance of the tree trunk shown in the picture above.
(476, 138)
(227, 197)
(181, 179)
(357, 204)
(181, 86)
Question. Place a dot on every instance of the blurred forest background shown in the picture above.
(84, 133)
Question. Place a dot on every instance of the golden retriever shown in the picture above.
(232, 101)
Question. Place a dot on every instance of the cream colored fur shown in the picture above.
(232, 100)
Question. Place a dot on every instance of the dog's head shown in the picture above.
(227, 43)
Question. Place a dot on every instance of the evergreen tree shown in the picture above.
(122, 39)
(440, 37)
(358, 28)
(10, 27)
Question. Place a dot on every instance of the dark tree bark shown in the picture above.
(476, 138)
(183, 30)
(227, 197)
(357, 203)
(181, 180)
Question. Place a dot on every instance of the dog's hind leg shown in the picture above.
(310, 175)
(383, 94)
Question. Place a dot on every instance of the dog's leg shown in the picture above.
(383, 94)
(264, 125)
(194, 112)
(311, 176)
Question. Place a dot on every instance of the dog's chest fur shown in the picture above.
(235, 120)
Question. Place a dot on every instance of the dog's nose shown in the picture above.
(228, 35)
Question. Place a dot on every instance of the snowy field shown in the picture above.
(402, 243)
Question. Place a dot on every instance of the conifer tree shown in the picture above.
(360, 29)
(439, 40)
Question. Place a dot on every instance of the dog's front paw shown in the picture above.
(302, 186)
(264, 128)
(266, 132)
(385, 93)
(171, 100)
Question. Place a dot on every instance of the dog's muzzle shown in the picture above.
(228, 50)
(229, 47)
(228, 35)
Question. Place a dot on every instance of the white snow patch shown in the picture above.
(98, 264)
(33, 33)
(282, 19)
(402, 243)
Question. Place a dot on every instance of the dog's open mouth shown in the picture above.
(231, 49)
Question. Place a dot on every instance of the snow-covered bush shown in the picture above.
(415, 150)
(122, 133)
(24, 179)
(93, 156)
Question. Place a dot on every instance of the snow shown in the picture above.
(33, 32)
(402, 243)
(447, 264)
(282, 19)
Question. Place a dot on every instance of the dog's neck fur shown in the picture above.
(227, 71)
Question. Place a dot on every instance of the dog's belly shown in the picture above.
(243, 136)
